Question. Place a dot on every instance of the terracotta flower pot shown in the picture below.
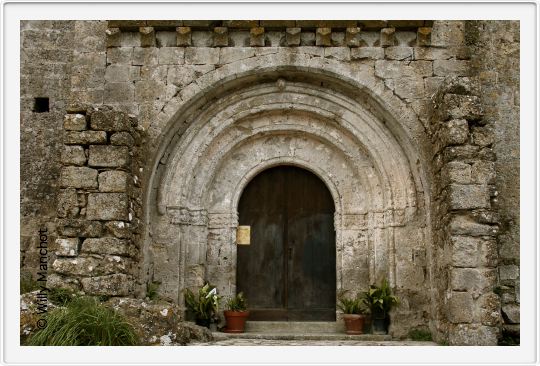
(354, 323)
(236, 321)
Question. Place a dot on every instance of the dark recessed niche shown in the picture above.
(41, 105)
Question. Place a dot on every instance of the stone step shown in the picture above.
(294, 327)
(218, 336)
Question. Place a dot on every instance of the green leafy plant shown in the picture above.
(205, 304)
(350, 305)
(379, 299)
(420, 335)
(152, 290)
(85, 322)
(237, 303)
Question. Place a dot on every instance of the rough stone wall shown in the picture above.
(443, 71)
(46, 59)
(495, 46)
(99, 204)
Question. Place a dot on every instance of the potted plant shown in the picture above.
(353, 313)
(237, 314)
(379, 300)
(204, 305)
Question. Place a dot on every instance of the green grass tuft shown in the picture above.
(420, 335)
(85, 322)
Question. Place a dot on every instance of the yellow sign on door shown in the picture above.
(243, 235)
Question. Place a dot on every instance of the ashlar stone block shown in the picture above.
(67, 205)
(78, 177)
(460, 307)
(107, 206)
(110, 121)
(202, 56)
(73, 155)
(108, 156)
(85, 137)
(113, 181)
(67, 247)
(171, 56)
(109, 245)
(113, 285)
(74, 122)
(122, 139)
(474, 280)
(468, 196)
(367, 53)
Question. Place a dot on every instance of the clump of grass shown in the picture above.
(60, 296)
(85, 322)
(420, 335)
(152, 290)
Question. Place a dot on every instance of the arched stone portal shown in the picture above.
(365, 157)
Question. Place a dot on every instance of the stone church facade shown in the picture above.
(138, 139)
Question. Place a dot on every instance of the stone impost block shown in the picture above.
(256, 37)
(468, 196)
(112, 285)
(476, 281)
(423, 36)
(109, 245)
(85, 137)
(79, 228)
(148, 36)
(455, 132)
(113, 37)
(74, 122)
(122, 139)
(113, 181)
(68, 204)
(78, 177)
(388, 37)
(110, 121)
(352, 37)
(472, 335)
(73, 155)
(460, 307)
(221, 36)
(367, 53)
(67, 247)
(202, 56)
(108, 156)
(292, 36)
(463, 107)
(107, 206)
(323, 37)
(183, 36)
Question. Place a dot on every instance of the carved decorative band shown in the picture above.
(186, 216)
(222, 220)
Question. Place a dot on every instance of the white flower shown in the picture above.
(212, 292)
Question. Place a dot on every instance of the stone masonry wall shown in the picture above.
(99, 204)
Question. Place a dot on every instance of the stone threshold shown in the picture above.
(218, 336)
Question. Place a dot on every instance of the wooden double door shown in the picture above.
(288, 272)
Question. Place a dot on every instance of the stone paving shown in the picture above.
(333, 343)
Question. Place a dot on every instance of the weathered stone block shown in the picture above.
(145, 56)
(463, 107)
(113, 181)
(511, 313)
(472, 335)
(397, 69)
(423, 36)
(232, 54)
(338, 53)
(120, 92)
(85, 137)
(107, 206)
(202, 56)
(352, 37)
(171, 56)
(447, 33)
(221, 36)
(120, 55)
(463, 225)
(112, 285)
(73, 155)
(74, 122)
(455, 132)
(109, 245)
(465, 251)
(409, 87)
(256, 37)
(292, 36)
(120, 229)
(92, 266)
(482, 136)
(474, 280)
(67, 247)
(78, 177)
(451, 68)
(148, 36)
(483, 172)
(57, 281)
(489, 309)
(79, 228)
(388, 37)
(110, 121)
(457, 172)
(108, 156)
(370, 53)
(241, 23)
(510, 272)
(398, 53)
(183, 36)
(463, 197)
(118, 73)
(122, 139)
(460, 307)
(323, 37)
(67, 205)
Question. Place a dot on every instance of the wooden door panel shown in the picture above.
(288, 272)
